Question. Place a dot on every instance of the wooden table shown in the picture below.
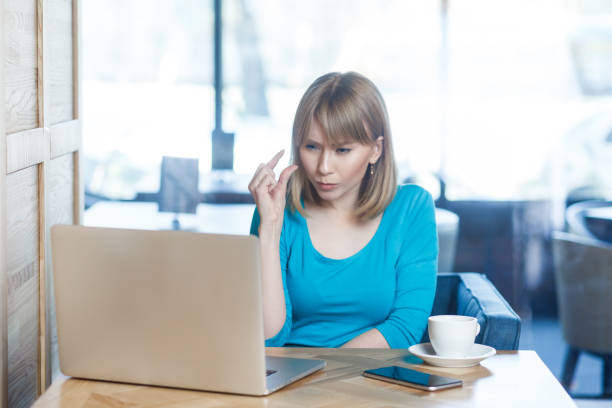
(509, 379)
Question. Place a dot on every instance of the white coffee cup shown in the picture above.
(452, 335)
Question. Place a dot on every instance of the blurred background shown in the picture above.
(501, 109)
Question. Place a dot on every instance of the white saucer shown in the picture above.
(425, 352)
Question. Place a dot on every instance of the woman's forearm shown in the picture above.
(272, 281)
(370, 339)
(270, 197)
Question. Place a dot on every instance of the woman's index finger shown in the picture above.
(272, 163)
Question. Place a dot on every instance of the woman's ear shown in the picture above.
(378, 149)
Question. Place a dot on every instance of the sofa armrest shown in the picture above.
(500, 325)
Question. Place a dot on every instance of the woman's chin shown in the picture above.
(329, 195)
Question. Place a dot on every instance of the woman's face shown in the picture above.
(336, 171)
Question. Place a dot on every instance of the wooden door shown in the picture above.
(40, 183)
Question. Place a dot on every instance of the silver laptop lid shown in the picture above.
(168, 308)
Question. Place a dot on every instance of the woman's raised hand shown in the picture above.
(268, 193)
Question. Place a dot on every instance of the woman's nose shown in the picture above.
(323, 166)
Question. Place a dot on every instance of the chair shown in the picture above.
(574, 216)
(178, 187)
(447, 223)
(583, 273)
(472, 294)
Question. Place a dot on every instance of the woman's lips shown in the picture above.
(326, 186)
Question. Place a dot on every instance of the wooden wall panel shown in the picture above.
(65, 138)
(25, 149)
(60, 190)
(60, 210)
(40, 136)
(22, 286)
(59, 75)
(20, 65)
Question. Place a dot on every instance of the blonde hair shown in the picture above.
(349, 108)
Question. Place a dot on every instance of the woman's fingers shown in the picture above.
(266, 183)
(263, 169)
(266, 179)
(272, 163)
(283, 179)
(256, 176)
(264, 172)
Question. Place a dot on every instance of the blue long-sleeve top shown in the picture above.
(389, 284)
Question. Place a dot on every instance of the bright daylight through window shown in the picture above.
(495, 115)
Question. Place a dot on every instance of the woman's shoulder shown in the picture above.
(410, 201)
(412, 206)
(412, 194)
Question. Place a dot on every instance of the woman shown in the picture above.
(348, 258)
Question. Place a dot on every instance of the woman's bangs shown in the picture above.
(342, 124)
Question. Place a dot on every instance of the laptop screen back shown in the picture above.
(168, 308)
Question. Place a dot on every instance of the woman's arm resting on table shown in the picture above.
(370, 339)
(416, 277)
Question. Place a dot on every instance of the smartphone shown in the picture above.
(413, 378)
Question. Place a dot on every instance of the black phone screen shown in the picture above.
(414, 377)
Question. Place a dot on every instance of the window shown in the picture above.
(495, 96)
(147, 90)
(275, 49)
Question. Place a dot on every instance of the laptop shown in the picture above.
(165, 308)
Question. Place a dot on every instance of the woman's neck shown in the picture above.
(332, 212)
(343, 207)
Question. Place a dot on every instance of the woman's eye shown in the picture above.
(310, 147)
(343, 150)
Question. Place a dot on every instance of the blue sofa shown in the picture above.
(472, 294)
